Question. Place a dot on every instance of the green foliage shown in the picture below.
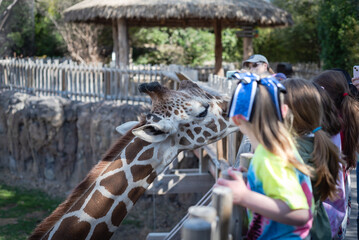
(18, 30)
(338, 30)
(171, 46)
(232, 46)
(323, 31)
(181, 46)
(298, 43)
(22, 210)
(48, 40)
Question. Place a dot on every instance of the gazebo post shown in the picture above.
(123, 44)
(218, 69)
(247, 47)
(247, 42)
(115, 42)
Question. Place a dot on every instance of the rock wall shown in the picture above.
(51, 142)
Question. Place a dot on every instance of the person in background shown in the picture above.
(280, 76)
(336, 209)
(279, 193)
(355, 83)
(258, 64)
(353, 89)
(305, 118)
(336, 85)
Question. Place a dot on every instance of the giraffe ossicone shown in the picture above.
(178, 120)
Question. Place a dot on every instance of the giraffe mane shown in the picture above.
(85, 184)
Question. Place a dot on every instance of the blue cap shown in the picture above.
(243, 98)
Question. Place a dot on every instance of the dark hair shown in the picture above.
(352, 88)
(331, 121)
(305, 104)
(335, 83)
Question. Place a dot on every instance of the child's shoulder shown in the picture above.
(263, 156)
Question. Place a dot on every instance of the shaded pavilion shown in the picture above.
(216, 14)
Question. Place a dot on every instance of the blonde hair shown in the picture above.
(271, 132)
(336, 85)
(305, 103)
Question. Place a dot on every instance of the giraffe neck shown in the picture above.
(98, 212)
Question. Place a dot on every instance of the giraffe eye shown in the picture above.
(204, 113)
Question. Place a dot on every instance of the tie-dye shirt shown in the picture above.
(268, 174)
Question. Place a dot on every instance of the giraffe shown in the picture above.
(178, 120)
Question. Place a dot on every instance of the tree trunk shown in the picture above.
(218, 69)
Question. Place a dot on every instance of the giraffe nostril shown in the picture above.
(149, 87)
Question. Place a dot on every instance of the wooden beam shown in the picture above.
(123, 44)
(218, 69)
(115, 42)
(181, 183)
(157, 236)
(247, 47)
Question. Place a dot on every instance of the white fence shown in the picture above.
(221, 84)
(95, 83)
(82, 82)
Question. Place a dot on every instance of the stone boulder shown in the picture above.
(52, 142)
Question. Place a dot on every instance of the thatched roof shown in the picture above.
(180, 13)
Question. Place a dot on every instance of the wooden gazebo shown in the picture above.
(217, 14)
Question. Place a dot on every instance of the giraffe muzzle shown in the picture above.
(150, 87)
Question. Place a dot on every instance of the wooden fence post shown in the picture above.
(107, 84)
(238, 212)
(63, 82)
(196, 228)
(206, 213)
(222, 201)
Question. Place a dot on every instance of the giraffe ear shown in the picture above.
(155, 132)
(181, 76)
(125, 127)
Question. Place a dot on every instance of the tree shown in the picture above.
(297, 43)
(188, 46)
(4, 16)
(338, 30)
(17, 27)
(84, 42)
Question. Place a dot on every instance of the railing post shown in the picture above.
(194, 229)
(63, 82)
(238, 214)
(206, 213)
(107, 84)
(222, 201)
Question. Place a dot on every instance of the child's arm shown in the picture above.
(274, 209)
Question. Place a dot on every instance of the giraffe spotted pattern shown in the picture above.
(179, 120)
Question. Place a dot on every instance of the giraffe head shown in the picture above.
(184, 119)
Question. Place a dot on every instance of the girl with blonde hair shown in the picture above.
(278, 194)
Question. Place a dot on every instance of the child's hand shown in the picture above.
(237, 185)
(356, 82)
